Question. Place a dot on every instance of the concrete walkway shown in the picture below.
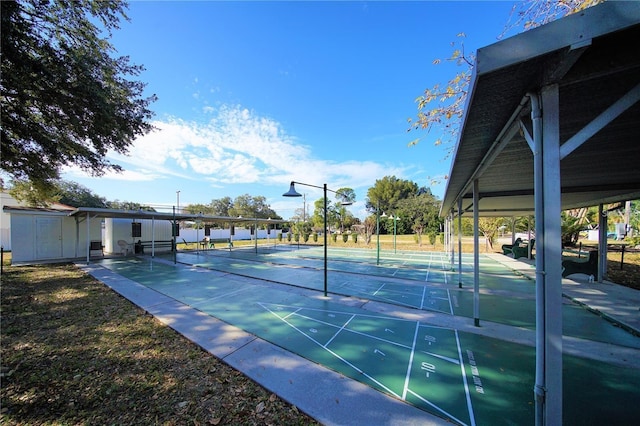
(325, 395)
(613, 301)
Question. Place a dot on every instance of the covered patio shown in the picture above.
(551, 123)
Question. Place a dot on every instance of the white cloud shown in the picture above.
(236, 146)
(139, 175)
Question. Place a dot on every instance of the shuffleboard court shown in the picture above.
(509, 298)
(465, 378)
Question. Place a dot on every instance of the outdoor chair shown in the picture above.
(588, 265)
(125, 247)
(506, 248)
(523, 250)
(187, 245)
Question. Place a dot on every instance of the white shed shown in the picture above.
(49, 234)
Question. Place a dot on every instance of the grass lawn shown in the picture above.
(75, 352)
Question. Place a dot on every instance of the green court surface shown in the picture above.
(463, 377)
(507, 298)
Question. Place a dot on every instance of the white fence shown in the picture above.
(191, 235)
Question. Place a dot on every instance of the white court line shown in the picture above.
(424, 290)
(442, 357)
(449, 299)
(287, 316)
(335, 312)
(426, 278)
(348, 330)
(379, 288)
(231, 293)
(451, 416)
(338, 332)
(413, 350)
(464, 379)
(335, 354)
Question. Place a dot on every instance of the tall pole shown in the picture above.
(325, 239)
(395, 220)
(293, 193)
(378, 231)
(178, 201)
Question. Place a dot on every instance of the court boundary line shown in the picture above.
(406, 387)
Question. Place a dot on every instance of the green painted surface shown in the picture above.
(463, 377)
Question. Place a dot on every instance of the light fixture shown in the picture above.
(345, 202)
(292, 191)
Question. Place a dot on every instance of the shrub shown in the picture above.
(432, 238)
(354, 237)
(345, 237)
(296, 237)
(306, 237)
(315, 237)
(334, 237)
(280, 237)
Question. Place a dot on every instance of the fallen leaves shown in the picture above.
(91, 357)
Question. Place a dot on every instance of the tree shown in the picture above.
(318, 214)
(386, 193)
(344, 195)
(33, 195)
(65, 99)
(421, 213)
(369, 228)
(76, 195)
(221, 206)
(489, 228)
(440, 108)
(128, 205)
(60, 191)
(249, 206)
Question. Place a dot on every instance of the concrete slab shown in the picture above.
(327, 396)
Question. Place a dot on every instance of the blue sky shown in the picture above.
(252, 95)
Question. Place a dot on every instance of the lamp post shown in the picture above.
(293, 193)
(378, 231)
(198, 222)
(395, 220)
(178, 201)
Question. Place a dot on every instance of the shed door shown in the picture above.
(48, 238)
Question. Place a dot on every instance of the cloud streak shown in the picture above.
(236, 146)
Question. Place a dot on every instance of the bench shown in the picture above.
(213, 241)
(141, 245)
(507, 248)
(96, 246)
(587, 266)
(523, 250)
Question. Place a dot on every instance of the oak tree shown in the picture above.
(67, 99)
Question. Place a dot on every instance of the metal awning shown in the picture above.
(143, 214)
(594, 58)
(552, 122)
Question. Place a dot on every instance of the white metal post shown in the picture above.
(548, 388)
(459, 242)
(476, 256)
(602, 243)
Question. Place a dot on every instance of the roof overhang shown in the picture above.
(143, 214)
(594, 59)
